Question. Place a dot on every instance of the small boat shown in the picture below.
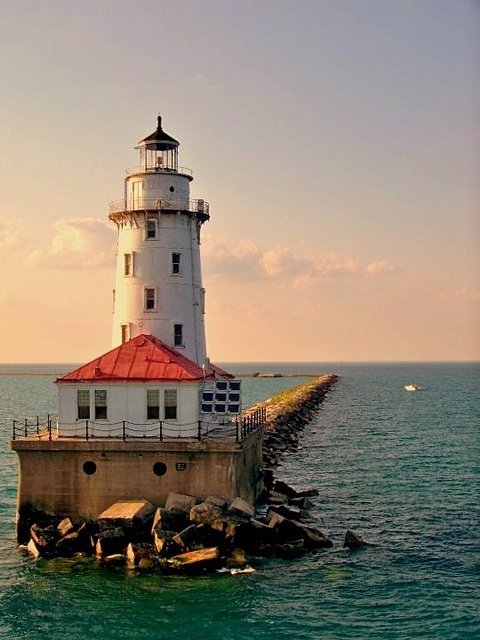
(411, 387)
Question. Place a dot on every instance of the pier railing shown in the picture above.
(49, 428)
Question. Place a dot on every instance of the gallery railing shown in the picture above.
(49, 428)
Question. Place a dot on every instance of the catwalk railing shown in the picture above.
(49, 428)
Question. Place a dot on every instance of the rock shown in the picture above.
(111, 542)
(138, 551)
(292, 492)
(198, 557)
(237, 559)
(134, 516)
(292, 549)
(33, 549)
(114, 559)
(217, 501)
(69, 544)
(353, 541)
(293, 530)
(268, 479)
(209, 514)
(274, 497)
(188, 536)
(293, 513)
(45, 538)
(241, 507)
(179, 502)
(303, 502)
(64, 527)
(164, 543)
(170, 520)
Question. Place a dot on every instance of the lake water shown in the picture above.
(402, 469)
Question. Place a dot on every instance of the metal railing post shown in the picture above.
(38, 425)
(86, 430)
(13, 430)
(49, 426)
(237, 434)
(124, 433)
(161, 431)
(199, 430)
(26, 427)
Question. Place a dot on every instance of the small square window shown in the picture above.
(151, 229)
(100, 404)
(153, 404)
(150, 299)
(128, 264)
(178, 335)
(124, 328)
(83, 404)
(170, 403)
(176, 258)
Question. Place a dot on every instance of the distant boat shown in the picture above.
(412, 387)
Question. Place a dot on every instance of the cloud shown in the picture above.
(77, 243)
(9, 234)
(379, 268)
(459, 295)
(294, 267)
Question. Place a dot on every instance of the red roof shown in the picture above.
(140, 359)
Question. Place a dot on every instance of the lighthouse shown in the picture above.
(158, 284)
(152, 415)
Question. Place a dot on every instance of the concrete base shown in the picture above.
(81, 479)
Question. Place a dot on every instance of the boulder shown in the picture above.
(353, 541)
(138, 551)
(241, 507)
(111, 542)
(65, 526)
(209, 514)
(179, 502)
(170, 520)
(188, 536)
(237, 559)
(134, 516)
(200, 557)
(217, 501)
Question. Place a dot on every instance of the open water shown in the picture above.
(402, 469)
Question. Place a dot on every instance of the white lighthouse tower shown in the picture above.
(158, 287)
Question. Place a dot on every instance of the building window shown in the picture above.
(150, 229)
(202, 300)
(83, 404)
(128, 264)
(153, 404)
(124, 333)
(170, 403)
(176, 257)
(178, 335)
(100, 404)
(149, 299)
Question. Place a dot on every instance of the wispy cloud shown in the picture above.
(77, 243)
(9, 234)
(379, 268)
(288, 266)
(457, 295)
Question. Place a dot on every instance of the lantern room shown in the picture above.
(158, 151)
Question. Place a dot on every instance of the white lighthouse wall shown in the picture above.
(168, 188)
(178, 297)
(128, 401)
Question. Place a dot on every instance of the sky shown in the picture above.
(337, 142)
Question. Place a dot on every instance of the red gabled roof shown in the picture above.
(140, 359)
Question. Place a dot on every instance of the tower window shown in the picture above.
(170, 403)
(83, 404)
(153, 404)
(100, 404)
(150, 229)
(128, 264)
(178, 335)
(150, 299)
(176, 258)
(202, 299)
(124, 328)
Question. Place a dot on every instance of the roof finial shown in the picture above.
(159, 119)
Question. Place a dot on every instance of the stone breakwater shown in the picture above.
(287, 414)
(191, 535)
